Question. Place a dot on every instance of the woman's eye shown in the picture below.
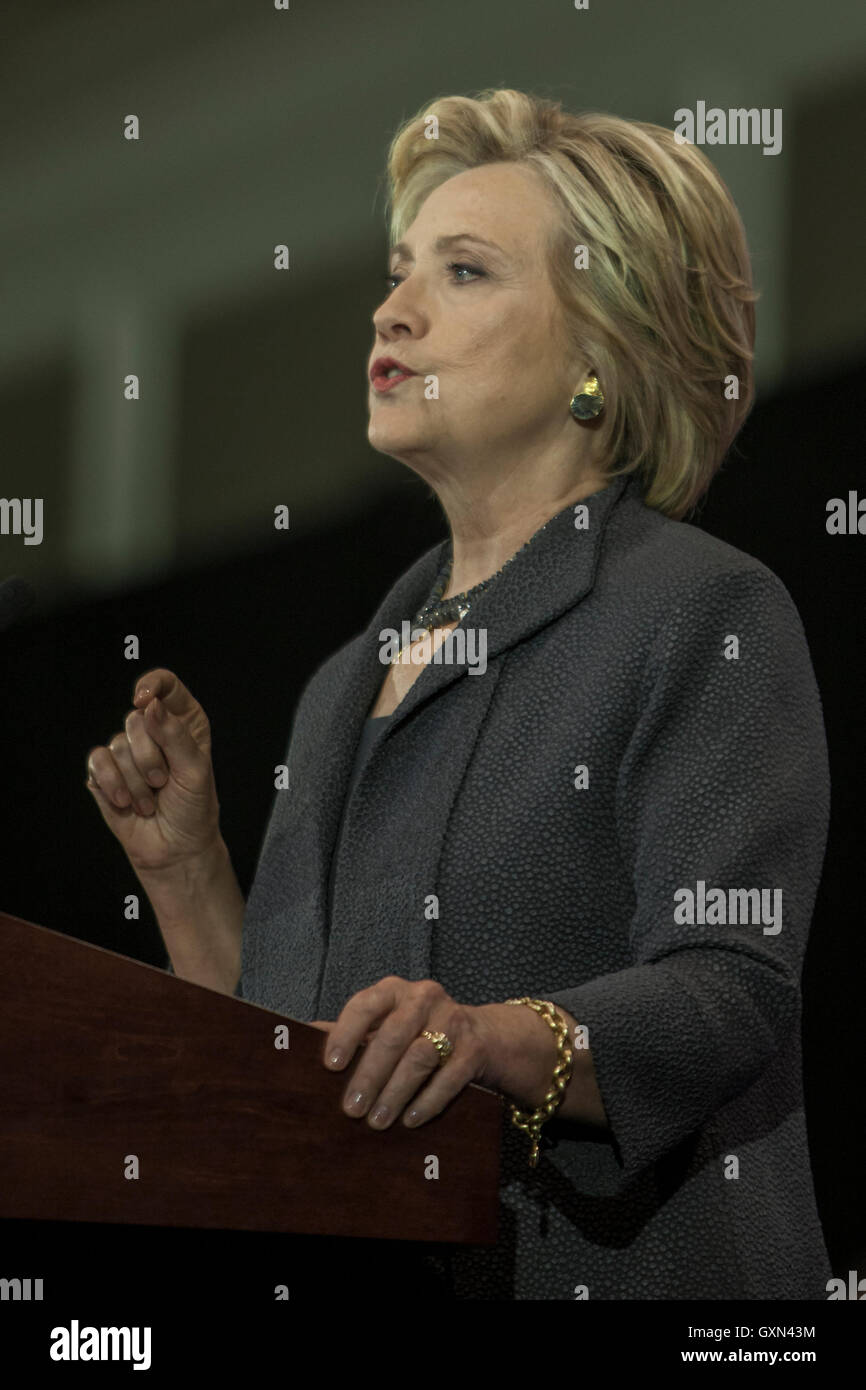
(455, 266)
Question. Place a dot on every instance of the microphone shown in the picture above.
(16, 598)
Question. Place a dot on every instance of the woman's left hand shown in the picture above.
(496, 1045)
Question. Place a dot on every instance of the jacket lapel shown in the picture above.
(547, 577)
(355, 676)
(552, 573)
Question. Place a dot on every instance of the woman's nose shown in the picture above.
(402, 308)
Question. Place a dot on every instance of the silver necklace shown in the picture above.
(438, 611)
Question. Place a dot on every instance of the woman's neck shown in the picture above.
(483, 538)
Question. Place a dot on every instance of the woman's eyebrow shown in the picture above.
(443, 243)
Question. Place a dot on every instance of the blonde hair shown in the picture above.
(665, 311)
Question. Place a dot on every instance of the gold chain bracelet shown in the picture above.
(530, 1123)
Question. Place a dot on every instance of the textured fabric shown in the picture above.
(370, 733)
(610, 647)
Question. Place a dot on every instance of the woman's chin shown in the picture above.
(399, 443)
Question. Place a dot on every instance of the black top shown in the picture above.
(369, 733)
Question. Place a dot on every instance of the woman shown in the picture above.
(573, 856)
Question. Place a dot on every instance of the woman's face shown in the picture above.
(484, 321)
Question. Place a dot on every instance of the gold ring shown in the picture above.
(441, 1044)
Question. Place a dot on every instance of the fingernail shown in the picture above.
(146, 806)
(156, 706)
(355, 1103)
(121, 798)
(412, 1118)
(335, 1058)
(379, 1115)
(156, 778)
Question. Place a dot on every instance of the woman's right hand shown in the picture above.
(154, 780)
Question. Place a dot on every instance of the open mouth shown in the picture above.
(385, 374)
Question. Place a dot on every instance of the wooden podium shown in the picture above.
(103, 1058)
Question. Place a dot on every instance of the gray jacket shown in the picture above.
(645, 746)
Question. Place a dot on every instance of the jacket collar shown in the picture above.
(545, 577)
(548, 576)
(554, 571)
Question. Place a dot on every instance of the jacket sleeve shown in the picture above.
(724, 780)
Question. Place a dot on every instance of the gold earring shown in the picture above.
(589, 402)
